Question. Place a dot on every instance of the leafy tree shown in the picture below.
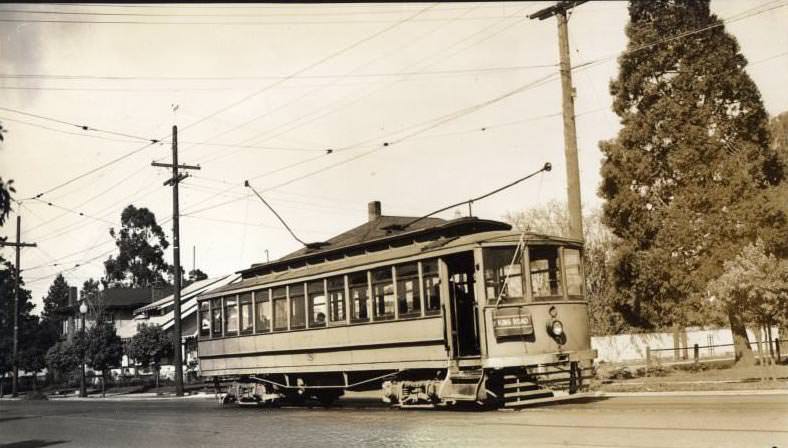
(688, 181)
(150, 346)
(553, 219)
(755, 284)
(196, 275)
(90, 288)
(36, 338)
(64, 358)
(56, 306)
(103, 350)
(141, 243)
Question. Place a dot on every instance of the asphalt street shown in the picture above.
(645, 422)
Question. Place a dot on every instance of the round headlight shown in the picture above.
(557, 328)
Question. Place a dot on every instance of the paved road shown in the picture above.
(645, 422)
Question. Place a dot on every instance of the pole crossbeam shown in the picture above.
(176, 255)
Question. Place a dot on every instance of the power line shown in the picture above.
(83, 127)
(262, 77)
(228, 23)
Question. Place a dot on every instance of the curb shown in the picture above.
(694, 393)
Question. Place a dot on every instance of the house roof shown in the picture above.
(188, 301)
(125, 297)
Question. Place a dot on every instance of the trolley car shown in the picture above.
(430, 313)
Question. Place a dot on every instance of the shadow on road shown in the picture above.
(32, 443)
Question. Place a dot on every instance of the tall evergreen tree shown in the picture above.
(687, 180)
(56, 308)
(141, 243)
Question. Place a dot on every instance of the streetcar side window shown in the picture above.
(205, 318)
(574, 272)
(297, 306)
(430, 281)
(359, 296)
(544, 268)
(336, 299)
(383, 293)
(216, 317)
(230, 316)
(503, 275)
(262, 311)
(317, 304)
(280, 308)
(408, 297)
(245, 316)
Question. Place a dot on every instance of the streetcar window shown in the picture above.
(216, 317)
(545, 272)
(205, 318)
(336, 299)
(383, 293)
(430, 281)
(317, 304)
(262, 311)
(230, 315)
(359, 296)
(280, 308)
(297, 306)
(503, 274)
(574, 272)
(245, 315)
(408, 298)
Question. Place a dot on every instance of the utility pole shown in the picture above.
(176, 255)
(15, 350)
(559, 10)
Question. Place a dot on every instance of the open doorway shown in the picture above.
(465, 333)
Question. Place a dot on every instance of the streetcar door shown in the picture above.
(465, 326)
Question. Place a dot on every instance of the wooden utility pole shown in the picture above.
(15, 350)
(176, 256)
(559, 10)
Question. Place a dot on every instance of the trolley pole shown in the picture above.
(176, 256)
(559, 10)
(17, 278)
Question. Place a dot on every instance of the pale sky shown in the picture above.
(287, 82)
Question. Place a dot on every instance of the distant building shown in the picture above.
(115, 305)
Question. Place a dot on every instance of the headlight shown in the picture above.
(557, 328)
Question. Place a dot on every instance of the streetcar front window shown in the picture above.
(545, 269)
(574, 272)
(503, 275)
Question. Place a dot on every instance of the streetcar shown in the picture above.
(430, 312)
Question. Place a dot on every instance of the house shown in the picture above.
(116, 305)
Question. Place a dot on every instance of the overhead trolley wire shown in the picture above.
(83, 127)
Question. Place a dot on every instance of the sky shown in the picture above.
(422, 105)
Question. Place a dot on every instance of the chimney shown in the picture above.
(373, 209)
(72, 295)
